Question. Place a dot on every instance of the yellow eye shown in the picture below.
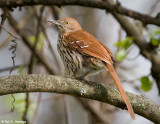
(67, 23)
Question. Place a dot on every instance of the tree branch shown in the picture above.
(89, 3)
(39, 55)
(98, 115)
(85, 89)
(140, 41)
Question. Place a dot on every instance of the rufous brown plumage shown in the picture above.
(82, 53)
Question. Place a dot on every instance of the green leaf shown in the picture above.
(41, 38)
(157, 32)
(155, 42)
(20, 70)
(155, 37)
(146, 83)
(126, 43)
(121, 54)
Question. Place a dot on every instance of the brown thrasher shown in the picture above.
(82, 53)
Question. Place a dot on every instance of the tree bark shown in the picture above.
(85, 89)
(89, 3)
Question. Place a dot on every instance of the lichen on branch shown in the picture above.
(85, 89)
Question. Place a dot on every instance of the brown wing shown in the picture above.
(85, 43)
(110, 53)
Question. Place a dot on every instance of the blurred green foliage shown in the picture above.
(121, 54)
(41, 38)
(126, 43)
(20, 70)
(123, 45)
(146, 83)
(155, 37)
(19, 104)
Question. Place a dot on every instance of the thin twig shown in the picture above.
(140, 41)
(37, 108)
(67, 120)
(39, 55)
(13, 107)
(21, 24)
(88, 3)
(55, 12)
(154, 6)
(39, 18)
(97, 115)
(24, 117)
(9, 68)
(13, 48)
(49, 44)
(4, 17)
(32, 63)
(9, 33)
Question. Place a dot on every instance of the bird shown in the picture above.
(82, 54)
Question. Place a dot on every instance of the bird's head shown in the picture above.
(66, 25)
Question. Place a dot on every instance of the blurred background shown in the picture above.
(46, 108)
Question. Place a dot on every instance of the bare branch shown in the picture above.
(140, 41)
(97, 115)
(24, 117)
(3, 16)
(85, 89)
(37, 108)
(9, 68)
(39, 55)
(89, 3)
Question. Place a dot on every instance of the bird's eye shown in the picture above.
(67, 23)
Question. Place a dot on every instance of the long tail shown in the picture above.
(121, 90)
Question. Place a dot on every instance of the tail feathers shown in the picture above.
(121, 90)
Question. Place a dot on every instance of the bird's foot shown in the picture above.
(80, 78)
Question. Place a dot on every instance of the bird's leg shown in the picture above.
(83, 76)
(93, 71)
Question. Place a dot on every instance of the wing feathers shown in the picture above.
(85, 43)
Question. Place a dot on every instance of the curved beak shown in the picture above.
(54, 22)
